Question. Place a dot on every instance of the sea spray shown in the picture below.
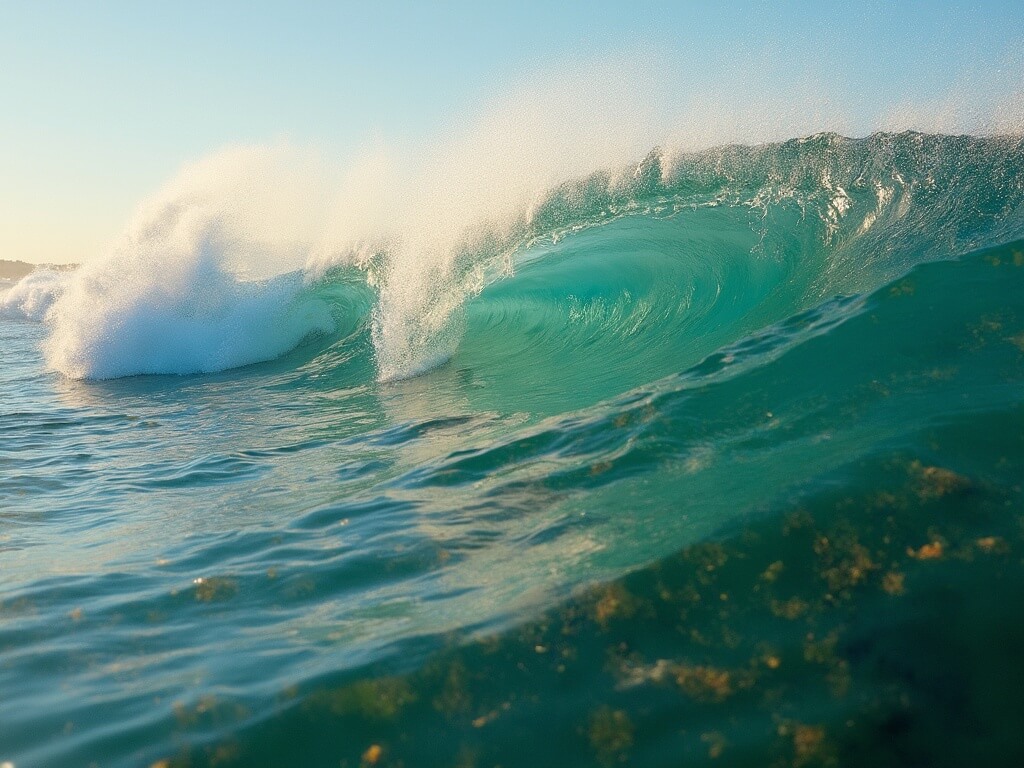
(32, 296)
(204, 279)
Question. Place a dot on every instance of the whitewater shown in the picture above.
(634, 444)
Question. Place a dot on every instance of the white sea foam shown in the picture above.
(32, 296)
(204, 279)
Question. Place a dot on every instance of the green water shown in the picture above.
(721, 467)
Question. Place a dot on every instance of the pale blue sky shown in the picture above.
(102, 101)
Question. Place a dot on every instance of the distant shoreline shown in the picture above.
(15, 270)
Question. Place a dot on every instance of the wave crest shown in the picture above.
(195, 286)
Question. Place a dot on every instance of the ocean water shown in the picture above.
(714, 459)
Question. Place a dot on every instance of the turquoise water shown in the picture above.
(721, 464)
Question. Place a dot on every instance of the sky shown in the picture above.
(102, 102)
